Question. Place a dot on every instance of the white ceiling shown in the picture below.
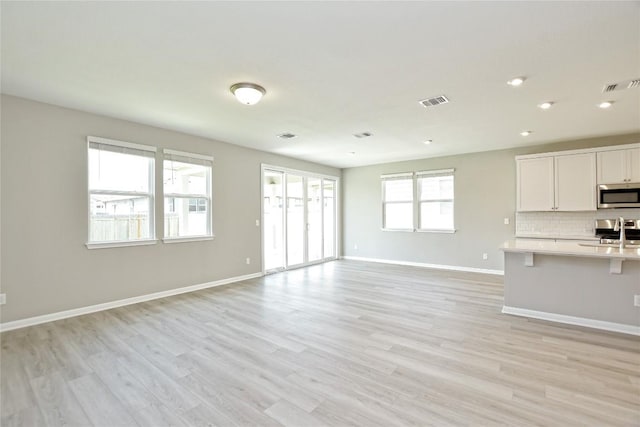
(332, 69)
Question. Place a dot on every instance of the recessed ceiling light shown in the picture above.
(605, 104)
(248, 93)
(516, 81)
(526, 132)
(427, 142)
(546, 105)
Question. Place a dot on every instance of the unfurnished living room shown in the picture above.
(319, 213)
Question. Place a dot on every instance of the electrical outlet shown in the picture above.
(257, 223)
(355, 247)
(485, 256)
(248, 260)
(636, 300)
(506, 221)
(3, 299)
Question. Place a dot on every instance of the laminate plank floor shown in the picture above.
(345, 343)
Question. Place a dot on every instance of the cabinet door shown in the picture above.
(633, 157)
(575, 177)
(535, 184)
(612, 167)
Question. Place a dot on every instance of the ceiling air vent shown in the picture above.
(436, 100)
(362, 135)
(286, 135)
(627, 84)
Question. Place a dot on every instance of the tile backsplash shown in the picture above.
(566, 224)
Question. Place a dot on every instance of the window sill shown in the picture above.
(120, 244)
(450, 231)
(187, 239)
(406, 230)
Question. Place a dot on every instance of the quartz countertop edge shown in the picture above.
(556, 236)
(569, 249)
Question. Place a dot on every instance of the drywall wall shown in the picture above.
(46, 267)
(485, 194)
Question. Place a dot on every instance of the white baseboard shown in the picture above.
(571, 320)
(36, 320)
(425, 265)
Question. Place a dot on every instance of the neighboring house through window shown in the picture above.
(121, 192)
(187, 193)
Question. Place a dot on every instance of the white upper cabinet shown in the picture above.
(575, 182)
(535, 184)
(619, 166)
(634, 164)
(557, 183)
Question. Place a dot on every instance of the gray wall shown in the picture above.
(485, 194)
(46, 267)
(573, 286)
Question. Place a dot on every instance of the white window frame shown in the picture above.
(392, 177)
(151, 194)
(201, 160)
(419, 200)
(416, 202)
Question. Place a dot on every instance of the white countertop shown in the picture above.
(557, 237)
(568, 249)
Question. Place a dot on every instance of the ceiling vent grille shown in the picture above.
(436, 100)
(362, 135)
(286, 135)
(627, 84)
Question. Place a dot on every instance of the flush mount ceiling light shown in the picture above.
(606, 104)
(427, 141)
(526, 132)
(248, 93)
(516, 81)
(546, 105)
(351, 153)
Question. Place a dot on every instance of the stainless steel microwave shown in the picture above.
(619, 196)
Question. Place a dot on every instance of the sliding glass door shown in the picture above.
(299, 218)
(273, 220)
(329, 217)
(295, 220)
(314, 219)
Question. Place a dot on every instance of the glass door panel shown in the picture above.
(273, 220)
(295, 220)
(314, 219)
(329, 197)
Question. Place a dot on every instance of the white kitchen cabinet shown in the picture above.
(575, 182)
(557, 183)
(619, 166)
(535, 184)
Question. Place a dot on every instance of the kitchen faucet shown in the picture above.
(620, 227)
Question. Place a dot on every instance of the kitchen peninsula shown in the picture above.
(569, 282)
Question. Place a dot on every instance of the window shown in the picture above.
(187, 195)
(121, 192)
(435, 198)
(397, 201)
(421, 201)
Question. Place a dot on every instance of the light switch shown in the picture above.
(506, 221)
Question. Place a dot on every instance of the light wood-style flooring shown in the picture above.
(339, 344)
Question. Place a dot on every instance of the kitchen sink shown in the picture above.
(608, 245)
